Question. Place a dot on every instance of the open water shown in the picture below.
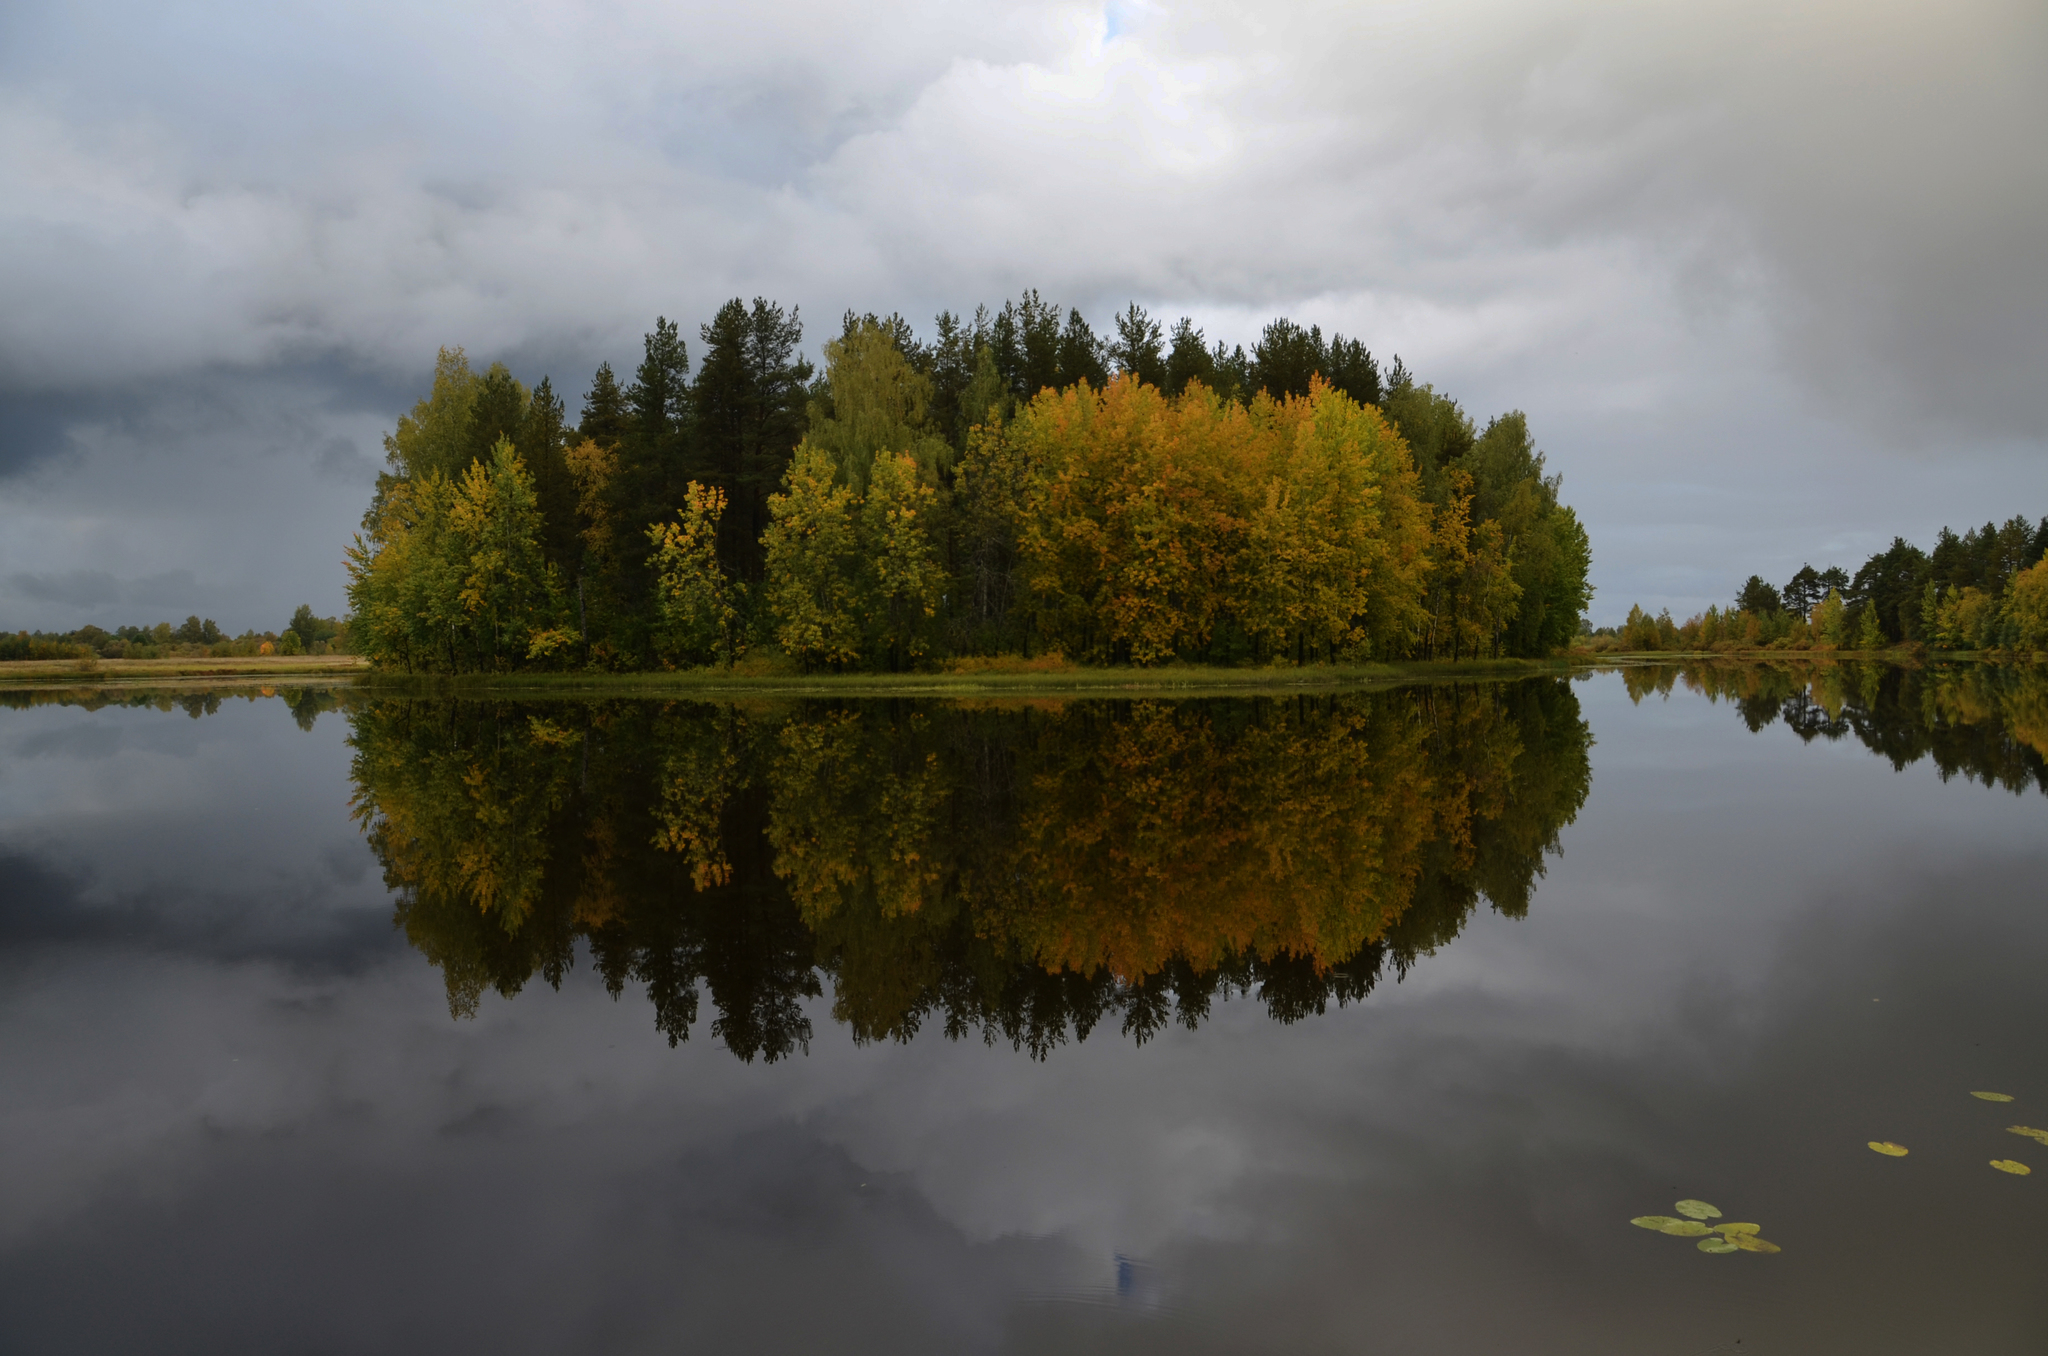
(335, 1022)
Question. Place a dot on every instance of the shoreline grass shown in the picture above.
(1011, 677)
(989, 681)
(245, 671)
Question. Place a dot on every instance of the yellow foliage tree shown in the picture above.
(698, 621)
(904, 577)
(812, 545)
(2026, 608)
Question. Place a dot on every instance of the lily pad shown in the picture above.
(1992, 1096)
(1696, 1210)
(1751, 1243)
(1888, 1149)
(1653, 1221)
(1716, 1243)
(1731, 1230)
(1684, 1228)
(2030, 1132)
(2003, 1165)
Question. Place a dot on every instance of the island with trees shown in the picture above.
(1016, 486)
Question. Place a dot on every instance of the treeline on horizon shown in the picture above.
(1985, 590)
(1017, 485)
(194, 638)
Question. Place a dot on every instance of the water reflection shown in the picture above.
(1985, 723)
(306, 703)
(1023, 872)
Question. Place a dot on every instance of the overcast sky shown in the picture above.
(1769, 280)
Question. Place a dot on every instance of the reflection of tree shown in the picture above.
(1986, 723)
(1018, 872)
(305, 703)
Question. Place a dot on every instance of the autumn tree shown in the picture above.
(1336, 547)
(699, 623)
(902, 577)
(812, 546)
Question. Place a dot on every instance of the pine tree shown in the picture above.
(1351, 369)
(542, 444)
(1139, 348)
(1188, 359)
(604, 409)
(1286, 358)
(749, 407)
(496, 411)
(1080, 355)
(954, 365)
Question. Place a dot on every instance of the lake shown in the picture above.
(343, 1021)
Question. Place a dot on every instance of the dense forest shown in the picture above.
(193, 638)
(1016, 484)
(1023, 873)
(1985, 590)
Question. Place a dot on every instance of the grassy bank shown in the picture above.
(1016, 678)
(1904, 656)
(1020, 679)
(252, 671)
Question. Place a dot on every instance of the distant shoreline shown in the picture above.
(995, 680)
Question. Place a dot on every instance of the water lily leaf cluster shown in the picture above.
(1716, 1238)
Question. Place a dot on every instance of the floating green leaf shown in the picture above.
(1652, 1221)
(2003, 1165)
(2030, 1132)
(1889, 1149)
(1716, 1243)
(1992, 1096)
(1697, 1210)
(1733, 1229)
(1751, 1243)
(1684, 1228)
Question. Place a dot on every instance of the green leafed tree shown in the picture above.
(874, 401)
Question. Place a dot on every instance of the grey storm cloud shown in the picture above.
(1765, 277)
(95, 589)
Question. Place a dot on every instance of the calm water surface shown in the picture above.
(342, 1024)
